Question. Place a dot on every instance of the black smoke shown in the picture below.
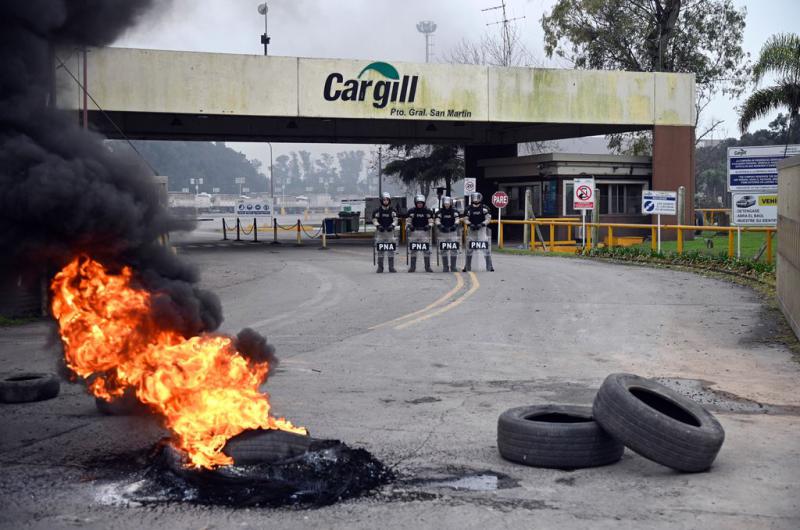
(62, 191)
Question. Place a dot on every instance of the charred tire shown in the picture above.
(658, 423)
(555, 436)
(28, 387)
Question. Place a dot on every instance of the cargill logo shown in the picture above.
(393, 89)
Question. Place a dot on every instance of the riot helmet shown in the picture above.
(475, 198)
(447, 201)
(386, 198)
(419, 198)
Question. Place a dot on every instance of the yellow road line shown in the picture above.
(455, 303)
(435, 303)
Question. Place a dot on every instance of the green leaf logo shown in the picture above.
(385, 69)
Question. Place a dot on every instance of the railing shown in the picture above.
(709, 214)
(733, 231)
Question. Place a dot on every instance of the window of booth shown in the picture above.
(616, 197)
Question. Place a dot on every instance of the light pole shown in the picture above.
(262, 9)
(271, 181)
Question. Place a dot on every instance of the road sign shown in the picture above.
(755, 209)
(755, 167)
(470, 185)
(252, 208)
(659, 203)
(239, 180)
(583, 194)
(499, 199)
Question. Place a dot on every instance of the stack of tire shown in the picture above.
(628, 411)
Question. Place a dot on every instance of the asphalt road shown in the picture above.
(416, 369)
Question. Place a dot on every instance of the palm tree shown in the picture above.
(780, 56)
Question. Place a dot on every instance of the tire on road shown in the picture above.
(555, 436)
(28, 387)
(658, 423)
(125, 405)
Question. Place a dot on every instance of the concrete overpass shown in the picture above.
(154, 94)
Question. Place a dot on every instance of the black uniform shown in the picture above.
(419, 218)
(385, 216)
(448, 219)
(419, 221)
(477, 216)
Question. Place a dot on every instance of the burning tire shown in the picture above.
(555, 436)
(658, 423)
(28, 387)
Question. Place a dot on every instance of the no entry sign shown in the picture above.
(583, 194)
(500, 199)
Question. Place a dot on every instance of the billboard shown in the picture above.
(755, 209)
(755, 167)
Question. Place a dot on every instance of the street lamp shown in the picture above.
(271, 181)
(262, 10)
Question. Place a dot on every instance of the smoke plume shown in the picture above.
(62, 191)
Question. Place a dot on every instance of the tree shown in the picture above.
(703, 37)
(425, 166)
(506, 50)
(780, 56)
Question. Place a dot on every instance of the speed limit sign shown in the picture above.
(470, 185)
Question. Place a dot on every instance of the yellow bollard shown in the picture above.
(588, 236)
(610, 237)
(680, 241)
(533, 236)
(769, 246)
(654, 239)
(552, 236)
(500, 242)
(730, 244)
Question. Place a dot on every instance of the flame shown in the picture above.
(206, 391)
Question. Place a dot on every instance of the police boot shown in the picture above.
(489, 263)
(413, 266)
(467, 264)
(391, 265)
(427, 260)
(445, 264)
(453, 263)
(380, 265)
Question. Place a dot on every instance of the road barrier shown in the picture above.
(734, 234)
(299, 228)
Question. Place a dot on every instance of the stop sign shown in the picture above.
(500, 199)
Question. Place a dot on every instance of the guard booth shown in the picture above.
(620, 181)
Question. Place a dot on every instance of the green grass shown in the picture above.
(751, 244)
(6, 321)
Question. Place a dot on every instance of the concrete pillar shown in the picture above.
(673, 166)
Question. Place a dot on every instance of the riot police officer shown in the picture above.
(447, 225)
(420, 221)
(385, 220)
(477, 217)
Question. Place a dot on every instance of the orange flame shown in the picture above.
(206, 391)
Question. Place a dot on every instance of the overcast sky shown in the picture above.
(386, 30)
